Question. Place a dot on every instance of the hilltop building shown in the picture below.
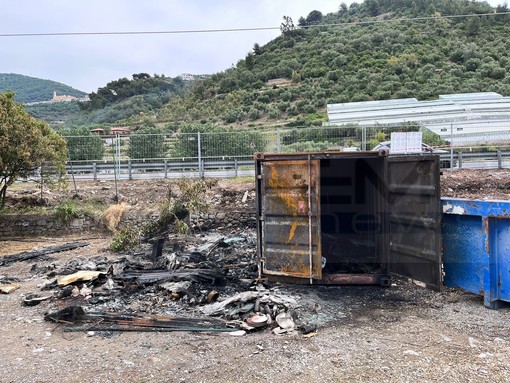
(63, 98)
(191, 77)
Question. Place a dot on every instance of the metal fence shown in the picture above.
(228, 154)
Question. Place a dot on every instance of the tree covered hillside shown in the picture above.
(128, 100)
(362, 52)
(32, 89)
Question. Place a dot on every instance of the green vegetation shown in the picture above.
(125, 238)
(176, 208)
(326, 64)
(26, 145)
(55, 114)
(326, 58)
(147, 143)
(31, 89)
(158, 87)
(129, 101)
(216, 141)
(66, 211)
(83, 145)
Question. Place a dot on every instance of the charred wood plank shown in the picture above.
(26, 255)
(98, 321)
(212, 276)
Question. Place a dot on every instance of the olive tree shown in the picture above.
(26, 145)
(147, 143)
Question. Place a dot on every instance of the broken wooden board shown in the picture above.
(7, 289)
(79, 276)
(5, 260)
(108, 321)
(213, 276)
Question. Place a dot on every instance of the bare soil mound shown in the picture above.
(476, 184)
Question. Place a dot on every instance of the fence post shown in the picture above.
(200, 168)
(118, 154)
(364, 138)
(451, 146)
(460, 160)
(94, 170)
(166, 169)
(130, 170)
(115, 170)
(278, 141)
(72, 174)
(500, 160)
(235, 167)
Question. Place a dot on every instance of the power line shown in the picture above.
(255, 29)
(174, 32)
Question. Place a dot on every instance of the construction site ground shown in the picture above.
(403, 333)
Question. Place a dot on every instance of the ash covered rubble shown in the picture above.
(205, 282)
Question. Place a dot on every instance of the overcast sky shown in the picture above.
(89, 62)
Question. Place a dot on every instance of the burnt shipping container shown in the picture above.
(348, 218)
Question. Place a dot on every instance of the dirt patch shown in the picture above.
(476, 184)
(227, 193)
(373, 334)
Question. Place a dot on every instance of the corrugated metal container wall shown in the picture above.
(353, 217)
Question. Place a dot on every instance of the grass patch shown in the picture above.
(66, 211)
(32, 210)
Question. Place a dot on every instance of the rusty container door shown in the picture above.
(290, 213)
(414, 219)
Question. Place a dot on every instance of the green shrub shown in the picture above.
(66, 211)
(283, 106)
(125, 238)
(274, 113)
(254, 114)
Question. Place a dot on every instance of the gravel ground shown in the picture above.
(366, 333)
(404, 333)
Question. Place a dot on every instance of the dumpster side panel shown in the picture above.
(463, 246)
(476, 240)
(499, 233)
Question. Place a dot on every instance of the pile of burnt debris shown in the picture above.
(205, 282)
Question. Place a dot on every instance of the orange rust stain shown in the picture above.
(292, 231)
(277, 180)
(291, 188)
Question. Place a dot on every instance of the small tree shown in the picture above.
(148, 142)
(287, 26)
(256, 49)
(83, 145)
(26, 145)
(380, 136)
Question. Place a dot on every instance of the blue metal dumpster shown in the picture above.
(476, 248)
